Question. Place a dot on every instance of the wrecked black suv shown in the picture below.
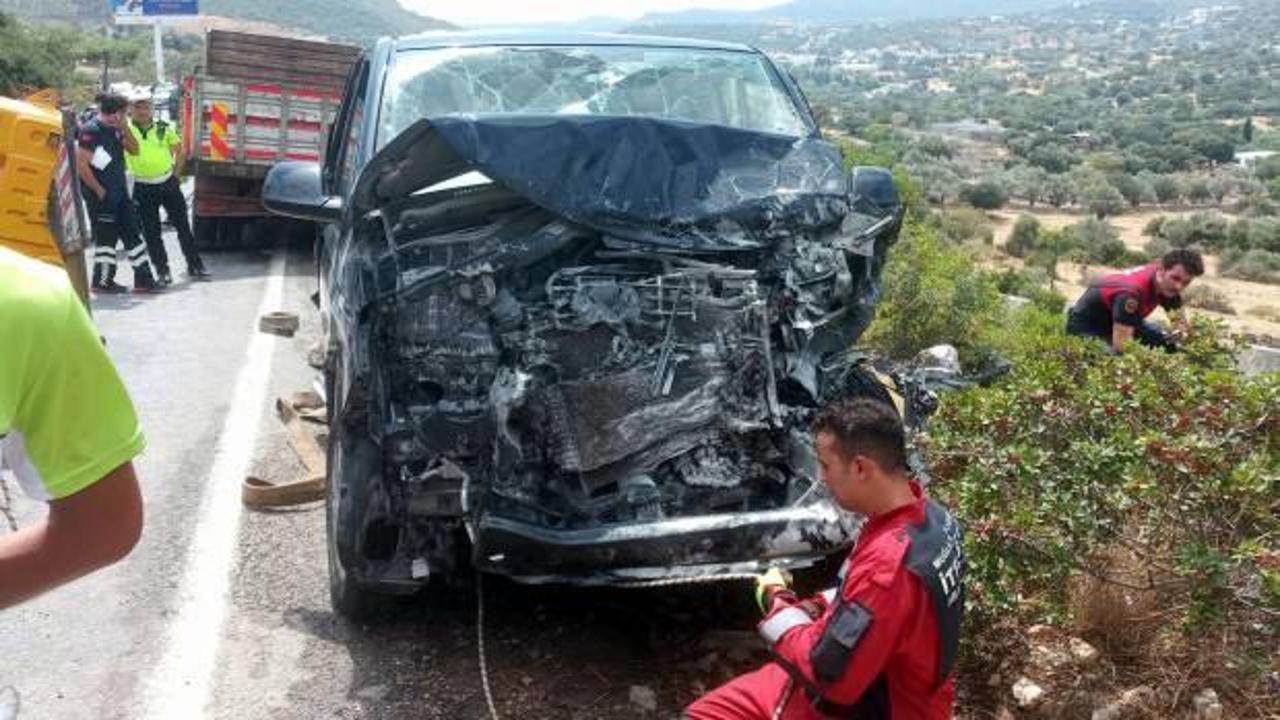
(582, 297)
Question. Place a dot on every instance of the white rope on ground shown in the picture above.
(6, 505)
(484, 667)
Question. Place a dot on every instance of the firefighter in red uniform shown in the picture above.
(1114, 308)
(883, 642)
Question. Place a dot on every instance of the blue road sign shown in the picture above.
(145, 11)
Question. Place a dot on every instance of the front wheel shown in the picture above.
(347, 597)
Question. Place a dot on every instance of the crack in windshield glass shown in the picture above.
(714, 87)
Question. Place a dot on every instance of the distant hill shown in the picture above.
(855, 11)
(359, 20)
(354, 20)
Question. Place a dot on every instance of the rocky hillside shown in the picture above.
(353, 20)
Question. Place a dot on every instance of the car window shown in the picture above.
(719, 87)
(344, 139)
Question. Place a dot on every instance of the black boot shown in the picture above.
(196, 270)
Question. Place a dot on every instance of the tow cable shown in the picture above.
(6, 506)
(483, 655)
(484, 667)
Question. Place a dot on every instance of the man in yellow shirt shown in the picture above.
(155, 185)
(68, 431)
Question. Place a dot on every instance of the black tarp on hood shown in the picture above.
(683, 185)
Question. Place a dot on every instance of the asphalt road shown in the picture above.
(223, 612)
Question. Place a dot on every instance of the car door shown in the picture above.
(342, 153)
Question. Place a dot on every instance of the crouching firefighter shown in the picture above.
(1114, 309)
(883, 643)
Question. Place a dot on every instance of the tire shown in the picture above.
(346, 596)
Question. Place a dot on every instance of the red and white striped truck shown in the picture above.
(259, 99)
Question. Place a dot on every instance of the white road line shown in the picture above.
(180, 684)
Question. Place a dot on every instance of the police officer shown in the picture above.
(1114, 308)
(155, 173)
(100, 163)
(883, 642)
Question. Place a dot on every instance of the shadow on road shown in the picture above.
(552, 651)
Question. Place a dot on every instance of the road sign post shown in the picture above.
(157, 35)
(154, 13)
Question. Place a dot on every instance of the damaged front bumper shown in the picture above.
(664, 550)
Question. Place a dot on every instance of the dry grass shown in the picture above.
(1207, 297)
(1114, 609)
(1270, 313)
(1132, 612)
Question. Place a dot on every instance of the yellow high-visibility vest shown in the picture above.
(154, 160)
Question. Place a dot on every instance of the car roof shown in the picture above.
(438, 39)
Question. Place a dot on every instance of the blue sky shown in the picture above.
(498, 12)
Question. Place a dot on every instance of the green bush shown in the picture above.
(1053, 246)
(30, 59)
(1262, 233)
(1098, 242)
(1152, 228)
(1156, 247)
(985, 195)
(1078, 460)
(933, 293)
(960, 224)
(1254, 265)
(1198, 190)
(1206, 297)
(1268, 168)
(1023, 283)
(1260, 205)
(1025, 235)
(1103, 199)
(1201, 229)
(1167, 188)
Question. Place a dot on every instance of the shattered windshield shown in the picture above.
(733, 89)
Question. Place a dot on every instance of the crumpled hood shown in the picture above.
(683, 185)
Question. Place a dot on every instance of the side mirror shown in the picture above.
(875, 185)
(877, 204)
(293, 189)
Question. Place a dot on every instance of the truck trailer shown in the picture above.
(258, 99)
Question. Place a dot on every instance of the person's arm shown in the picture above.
(838, 656)
(127, 139)
(73, 437)
(85, 171)
(86, 531)
(1120, 336)
(179, 162)
(174, 138)
(1126, 317)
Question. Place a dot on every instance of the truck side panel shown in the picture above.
(264, 122)
(261, 99)
(268, 59)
